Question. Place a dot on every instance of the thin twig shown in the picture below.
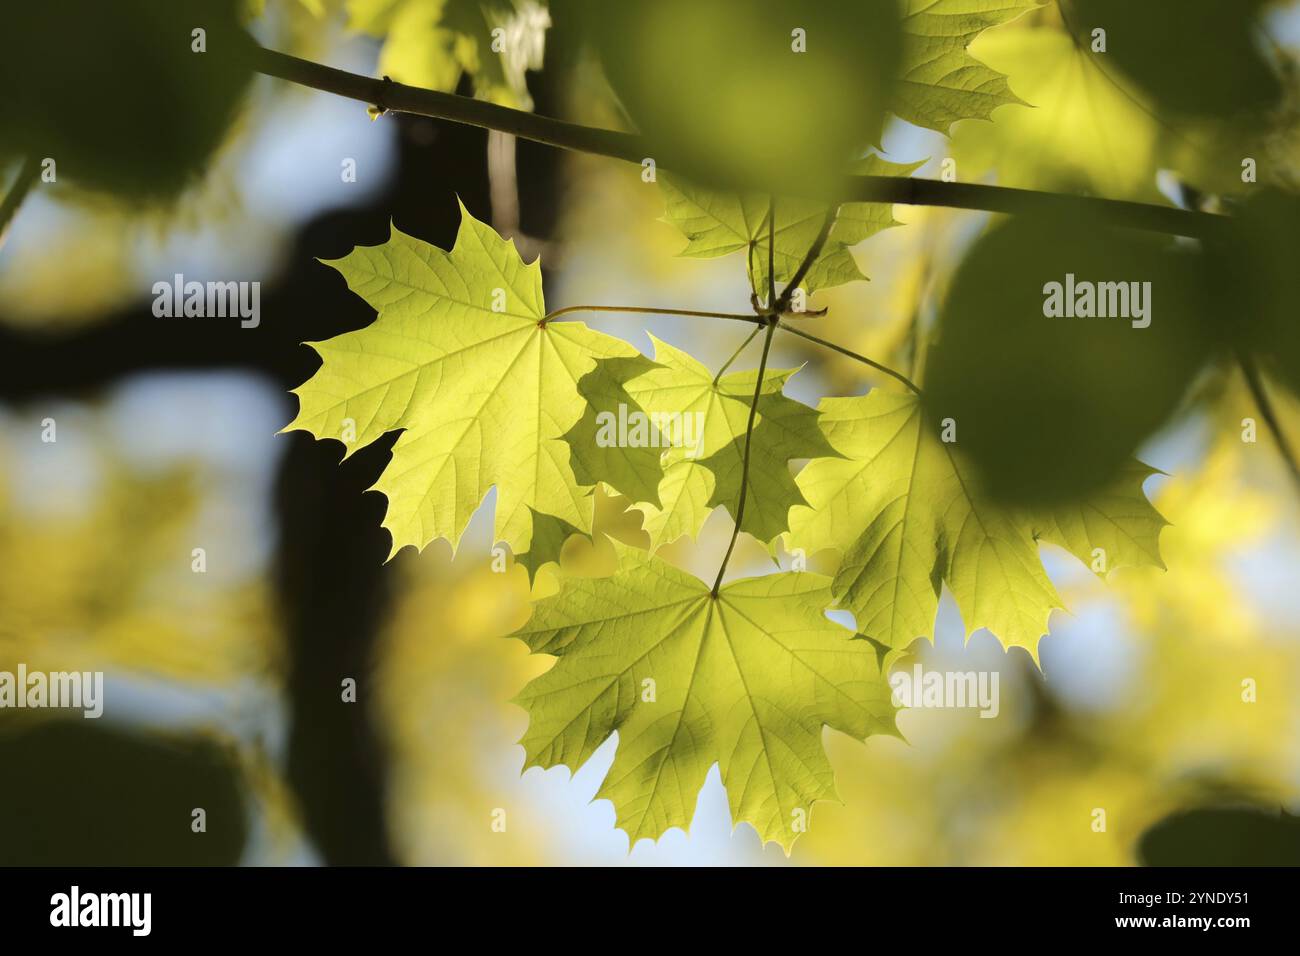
(771, 251)
(401, 98)
(744, 466)
(1255, 382)
(648, 310)
(851, 354)
(734, 355)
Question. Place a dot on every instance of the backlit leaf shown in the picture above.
(484, 396)
(746, 680)
(905, 514)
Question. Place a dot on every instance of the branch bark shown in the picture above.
(400, 98)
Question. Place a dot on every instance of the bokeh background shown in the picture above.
(223, 687)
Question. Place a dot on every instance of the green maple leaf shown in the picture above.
(940, 82)
(720, 223)
(632, 470)
(549, 535)
(675, 384)
(430, 43)
(746, 680)
(906, 518)
(484, 396)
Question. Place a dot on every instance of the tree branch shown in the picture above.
(602, 142)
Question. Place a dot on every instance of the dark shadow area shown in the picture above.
(82, 794)
(1223, 837)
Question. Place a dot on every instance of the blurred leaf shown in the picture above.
(688, 680)
(102, 585)
(93, 796)
(1198, 57)
(459, 359)
(716, 224)
(1093, 130)
(1083, 134)
(1223, 837)
(907, 518)
(1049, 407)
(941, 82)
(123, 104)
(721, 94)
(1262, 283)
(431, 43)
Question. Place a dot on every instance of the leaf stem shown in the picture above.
(735, 355)
(401, 98)
(1255, 382)
(757, 320)
(851, 354)
(815, 250)
(771, 252)
(652, 310)
(744, 467)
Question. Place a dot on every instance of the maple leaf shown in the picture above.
(634, 470)
(719, 223)
(907, 518)
(746, 680)
(691, 482)
(548, 538)
(484, 396)
(1082, 122)
(940, 82)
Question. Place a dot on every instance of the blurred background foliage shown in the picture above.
(228, 683)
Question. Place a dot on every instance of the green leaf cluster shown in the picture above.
(493, 392)
(1023, 435)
